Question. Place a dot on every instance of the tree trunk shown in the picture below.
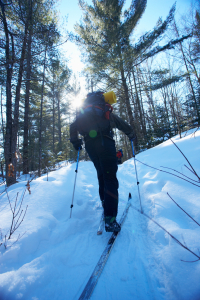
(127, 101)
(53, 111)
(41, 112)
(9, 71)
(142, 109)
(165, 96)
(16, 108)
(26, 110)
(188, 76)
(139, 105)
(2, 122)
(59, 124)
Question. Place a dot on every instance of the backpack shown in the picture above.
(94, 116)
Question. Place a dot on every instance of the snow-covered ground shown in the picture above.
(56, 255)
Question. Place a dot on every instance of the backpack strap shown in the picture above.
(91, 105)
(108, 110)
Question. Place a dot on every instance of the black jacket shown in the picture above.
(115, 122)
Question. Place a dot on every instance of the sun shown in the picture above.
(77, 100)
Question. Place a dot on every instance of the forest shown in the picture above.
(155, 77)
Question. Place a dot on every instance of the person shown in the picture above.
(119, 156)
(102, 152)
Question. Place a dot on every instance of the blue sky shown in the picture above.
(154, 10)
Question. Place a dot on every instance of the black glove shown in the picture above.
(132, 136)
(77, 144)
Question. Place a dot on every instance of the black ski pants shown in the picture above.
(102, 152)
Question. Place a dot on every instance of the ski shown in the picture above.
(101, 225)
(87, 292)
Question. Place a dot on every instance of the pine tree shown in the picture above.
(22, 24)
(106, 36)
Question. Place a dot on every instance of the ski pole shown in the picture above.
(75, 182)
(137, 176)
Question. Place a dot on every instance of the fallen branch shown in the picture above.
(186, 160)
(168, 173)
(173, 237)
(190, 171)
(182, 173)
(183, 209)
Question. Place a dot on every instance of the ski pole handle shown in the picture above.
(133, 148)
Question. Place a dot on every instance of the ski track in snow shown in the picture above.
(57, 255)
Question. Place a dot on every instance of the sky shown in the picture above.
(154, 10)
(56, 254)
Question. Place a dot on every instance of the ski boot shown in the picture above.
(111, 225)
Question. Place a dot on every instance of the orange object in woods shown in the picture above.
(10, 170)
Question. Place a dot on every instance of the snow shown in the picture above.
(56, 254)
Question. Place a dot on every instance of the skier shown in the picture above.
(119, 155)
(100, 146)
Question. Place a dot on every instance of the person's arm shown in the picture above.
(119, 123)
(74, 137)
(73, 132)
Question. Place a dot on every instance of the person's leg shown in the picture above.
(109, 170)
(93, 154)
(103, 155)
(101, 186)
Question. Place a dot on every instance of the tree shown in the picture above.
(43, 36)
(21, 11)
(27, 94)
(23, 24)
(58, 86)
(105, 35)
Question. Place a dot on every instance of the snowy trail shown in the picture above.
(129, 266)
(132, 252)
(57, 255)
